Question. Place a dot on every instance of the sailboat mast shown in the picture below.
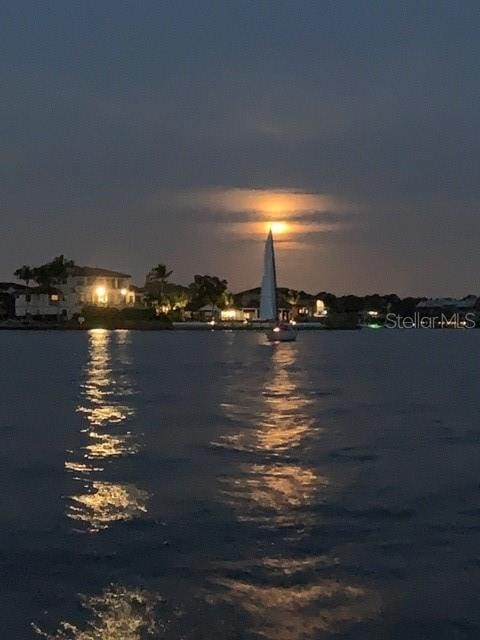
(268, 297)
(274, 277)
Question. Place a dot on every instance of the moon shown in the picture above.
(279, 228)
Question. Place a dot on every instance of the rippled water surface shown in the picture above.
(207, 486)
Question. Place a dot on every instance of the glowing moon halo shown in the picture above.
(278, 228)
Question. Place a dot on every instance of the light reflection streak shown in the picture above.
(107, 445)
(102, 387)
(119, 613)
(288, 596)
(106, 503)
(277, 490)
(79, 467)
(297, 612)
(274, 494)
(103, 403)
(99, 416)
(284, 423)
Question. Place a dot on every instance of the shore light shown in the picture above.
(100, 291)
(124, 291)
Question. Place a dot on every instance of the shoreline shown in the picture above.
(155, 326)
(181, 327)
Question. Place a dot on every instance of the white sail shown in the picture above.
(268, 298)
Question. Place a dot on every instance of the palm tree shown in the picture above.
(54, 272)
(294, 299)
(162, 274)
(24, 273)
(208, 290)
(27, 274)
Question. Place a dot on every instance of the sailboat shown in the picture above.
(280, 331)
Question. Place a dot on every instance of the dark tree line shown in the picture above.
(46, 275)
(390, 303)
(204, 290)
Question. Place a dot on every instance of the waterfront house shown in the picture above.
(41, 302)
(305, 306)
(83, 286)
(235, 314)
(92, 286)
(140, 295)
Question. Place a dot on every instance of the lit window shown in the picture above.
(54, 297)
(101, 294)
(320, 308)
(228, 314)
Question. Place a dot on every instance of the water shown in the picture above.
(210, 486)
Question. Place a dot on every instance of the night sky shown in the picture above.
(142, 132)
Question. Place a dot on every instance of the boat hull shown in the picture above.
(284, 335)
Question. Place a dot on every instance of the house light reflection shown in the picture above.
(106, 503)
(101, 386)
(119, 613)
(107, 385)
(106, 445)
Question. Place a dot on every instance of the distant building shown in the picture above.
(230, 314)
(307, 306)
(98, 287)
(291, 304)
(233, 314)
(446, 308)
(84, 286)
(41, 302)
(320, 309)
(207, 312)
(140, 294)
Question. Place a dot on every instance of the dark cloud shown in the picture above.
(106, 105)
